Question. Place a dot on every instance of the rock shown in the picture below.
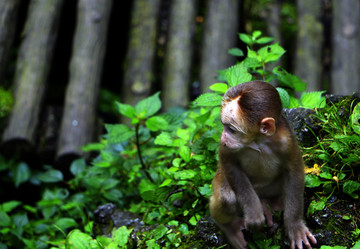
(208, 232)
(303, 122)
(107, 217)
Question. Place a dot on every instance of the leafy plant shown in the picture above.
(160, 166)
(253, 67)
(6, 102)
(337, 151)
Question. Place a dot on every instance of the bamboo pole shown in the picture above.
(32, 69)
(77, 125)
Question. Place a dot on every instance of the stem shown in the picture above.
(143, 166)
(263, 66)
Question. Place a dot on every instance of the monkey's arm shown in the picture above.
(246, 196)
(293, 212)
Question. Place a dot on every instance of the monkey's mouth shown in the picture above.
(254, 146)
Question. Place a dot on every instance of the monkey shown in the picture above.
(260, 167)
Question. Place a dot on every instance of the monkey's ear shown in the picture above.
(267, 126)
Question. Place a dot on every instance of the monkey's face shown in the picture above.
(234, 135)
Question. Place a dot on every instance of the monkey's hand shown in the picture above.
(254, 219)
(299, 234)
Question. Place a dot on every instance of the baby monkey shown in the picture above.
(260, 166)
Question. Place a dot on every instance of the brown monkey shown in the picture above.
(260, 166)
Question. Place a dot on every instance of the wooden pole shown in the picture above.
(345, 71)
(308, 63)
(32, 70)
(86, 64)
(178, 56)
(141, 50)
(8, 20)
(220, 34)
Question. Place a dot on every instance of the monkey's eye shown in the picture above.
(231, 129)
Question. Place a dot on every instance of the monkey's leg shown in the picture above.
(267, 213)
(275, 205)
(223, 209)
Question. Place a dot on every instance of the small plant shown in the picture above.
(6, 102)
(337, 151)
(253, 67)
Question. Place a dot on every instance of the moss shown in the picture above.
(340, 218)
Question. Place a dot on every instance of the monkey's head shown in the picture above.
(249, 111)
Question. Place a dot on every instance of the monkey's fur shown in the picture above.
(260, 166)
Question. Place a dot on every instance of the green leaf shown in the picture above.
(219, 88)
(93, 147)
(184, 229)
(5, 220)
(284, 96)
(333, 247)
(312, 181)
(159, 232)
(247, 39)
(65, 223)
(194, 219)
(336, 146)
(149, 106)
(185, 153)
(122, 235)
(256, 33)
(313, 100)
(355, 119)
(236, 52)
(206, 190)
(110, 183)
(126, 110)
(251, 54)
(288, 80)
(185, 174)
(173, 223)
(326, 175)
(208, 99)
(264, 40)
(29, 243)
(147, 190)
(21, 173)
(293, 102)
(237, 74)
(79, 240)
(251, 63)
(357, 245)
(184, 134)
(176, 162)
(118, 133)
(350, 187)
(52, 175)
(165, 183)
(271, 53)
(113, 194)
(9, 206)
(78, 166)
(164, 139)
(151, 243)
(316, 206)
(157, 123)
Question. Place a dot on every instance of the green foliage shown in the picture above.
(6, 102)
(160, 160)
(337, 151)
(160, 167)
(253, 67)
(261, 242)
(356, 246)
(254, 38)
